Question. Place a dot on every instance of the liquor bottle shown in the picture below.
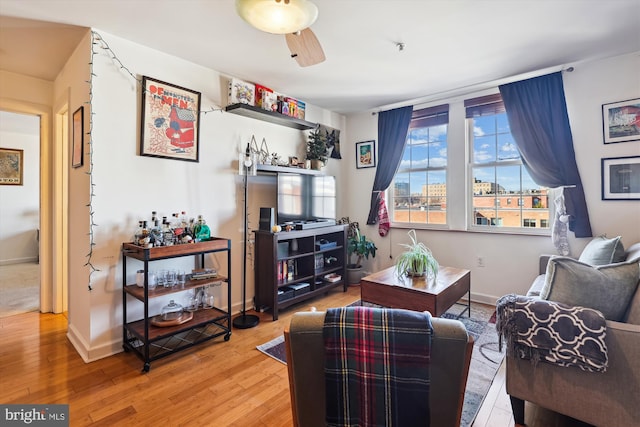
(157, 235)
(167, 233)
(137, 235)
(144, 239)
(202, 231)
(176, 226)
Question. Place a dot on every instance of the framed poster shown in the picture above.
(621, 121)
(170, 125)
(621, 178)
(365, 154)
(11, 166)
(77, 139)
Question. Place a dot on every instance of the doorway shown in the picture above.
(20, 214)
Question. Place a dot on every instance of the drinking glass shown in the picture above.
(180, 278)
(170, 278)
(208, 300)
(161, 278)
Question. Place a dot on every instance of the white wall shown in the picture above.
(511, 260)
(128, 186)
(20, 204)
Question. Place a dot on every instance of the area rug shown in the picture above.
(485, 359)
(19, 288)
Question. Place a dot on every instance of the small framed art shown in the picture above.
(170, 125)
(11, 166)
(621, 178)
(621, 121)
(365, 154)
(77, 139)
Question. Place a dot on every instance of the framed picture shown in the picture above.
(77, 150)
(11, 166)
(621, 121)
(170, 126)
(365, 154)
(621, 178)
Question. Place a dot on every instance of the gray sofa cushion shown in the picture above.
(536, 287)
(607, 288)
(602, 251)
(633, 252)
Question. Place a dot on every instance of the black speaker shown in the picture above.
(267, 219)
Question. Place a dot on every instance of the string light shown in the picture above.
(98, 42)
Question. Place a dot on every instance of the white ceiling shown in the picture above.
(450, 44)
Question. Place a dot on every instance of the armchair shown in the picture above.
(451, 349)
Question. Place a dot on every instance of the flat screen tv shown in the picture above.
(304, 197)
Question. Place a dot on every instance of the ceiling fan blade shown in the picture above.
(305, 47)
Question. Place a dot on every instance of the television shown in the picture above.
(306, 198)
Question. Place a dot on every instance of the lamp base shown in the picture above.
(246, 321)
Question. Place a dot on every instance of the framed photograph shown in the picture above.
(77, 139)
(365, 154)
(170, 126)
(621, 178)
(11, 166)
(621, 121)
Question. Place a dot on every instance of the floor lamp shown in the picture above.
(246, 321)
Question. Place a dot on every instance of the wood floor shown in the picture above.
(220, 384)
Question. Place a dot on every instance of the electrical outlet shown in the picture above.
(480, 261)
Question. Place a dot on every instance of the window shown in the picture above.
(419, 188)
(497, 172)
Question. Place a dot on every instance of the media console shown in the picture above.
(292, 266)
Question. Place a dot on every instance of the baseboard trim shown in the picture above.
(484, 298)
(89, 354)
(19, 260)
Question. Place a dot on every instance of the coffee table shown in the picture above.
(385, 288)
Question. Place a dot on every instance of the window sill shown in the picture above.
(495, 231)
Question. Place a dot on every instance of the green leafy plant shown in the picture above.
(317, 147)
(359, 247)
(417, 260)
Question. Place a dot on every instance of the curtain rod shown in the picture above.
(476, 87)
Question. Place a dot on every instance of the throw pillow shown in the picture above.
(607, 288)
(602, 251)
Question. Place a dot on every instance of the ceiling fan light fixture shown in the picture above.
(278, 16)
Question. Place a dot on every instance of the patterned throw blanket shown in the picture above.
(377, 367)
(548, 331)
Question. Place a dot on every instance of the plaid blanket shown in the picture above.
(377, 367)
(552, 332)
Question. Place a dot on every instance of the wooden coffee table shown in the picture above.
(385, 288)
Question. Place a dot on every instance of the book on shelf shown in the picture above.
(204, 273)
(241, 92)
(261, 91)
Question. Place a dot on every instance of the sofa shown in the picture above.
(602, 278)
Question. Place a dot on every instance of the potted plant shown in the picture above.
(317, 150)
(417, 260)
(358, 247)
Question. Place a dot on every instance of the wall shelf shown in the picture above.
(269, 116)
(287, 169)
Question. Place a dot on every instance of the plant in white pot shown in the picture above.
(416, 260)
(358, 248)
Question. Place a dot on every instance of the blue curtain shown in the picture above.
(393, 126)
(539, 122)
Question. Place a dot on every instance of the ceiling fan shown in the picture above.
(289, 17)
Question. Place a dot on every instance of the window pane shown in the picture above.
(484, 149)
(418, 189)
(502, 123)
(419, 156)
(507, 148)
